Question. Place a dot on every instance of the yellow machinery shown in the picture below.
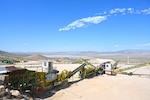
(88, 71)
(37, 82)
(91, 70)
(148, 63)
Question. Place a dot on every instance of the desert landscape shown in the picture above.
(105, 87)
(74, 50)
(118, 87)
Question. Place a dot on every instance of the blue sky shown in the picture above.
(74, 25)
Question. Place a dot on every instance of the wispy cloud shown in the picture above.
(129, 10)
(144, 45)
(103, 16)
(117, 10)
(146, 11)
(81, 22)
(116, 46)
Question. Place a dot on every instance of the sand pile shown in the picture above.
(120, 87)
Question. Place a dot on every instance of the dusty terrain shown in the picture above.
(105, 87)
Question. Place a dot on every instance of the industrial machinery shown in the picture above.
(36, 82)
(27, 81)
(104, 68)
(89, 70)
(109, 69)
(33, 82)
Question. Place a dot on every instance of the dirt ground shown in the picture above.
(105, 87)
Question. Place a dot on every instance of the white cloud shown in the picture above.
(147, 44)
(130, 10)
(144, 45)
(81, 22)
(137, 12)
(116, 46)
(117, 10)
(103, 16)
(146, 11)
(104, 12)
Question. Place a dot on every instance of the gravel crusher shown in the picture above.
(33, 82)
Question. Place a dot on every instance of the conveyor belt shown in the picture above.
(76, 70)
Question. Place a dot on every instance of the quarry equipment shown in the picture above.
(89, 70)
(33, 82)
(71, 73)
(148, 63)
(112, 69)
(14, 79)
(104, 68)
(36, 82)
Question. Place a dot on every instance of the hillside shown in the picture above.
(36, 57)
(134, 56)
(17, 57)
(9, 56)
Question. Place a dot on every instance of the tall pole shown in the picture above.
(128, 60)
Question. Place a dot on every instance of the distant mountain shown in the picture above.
(3, 52)
(20, 56)
(9, 56)
(79, 54)
(36, 57)
(133, 51)
(98, 52)
(83, 52)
